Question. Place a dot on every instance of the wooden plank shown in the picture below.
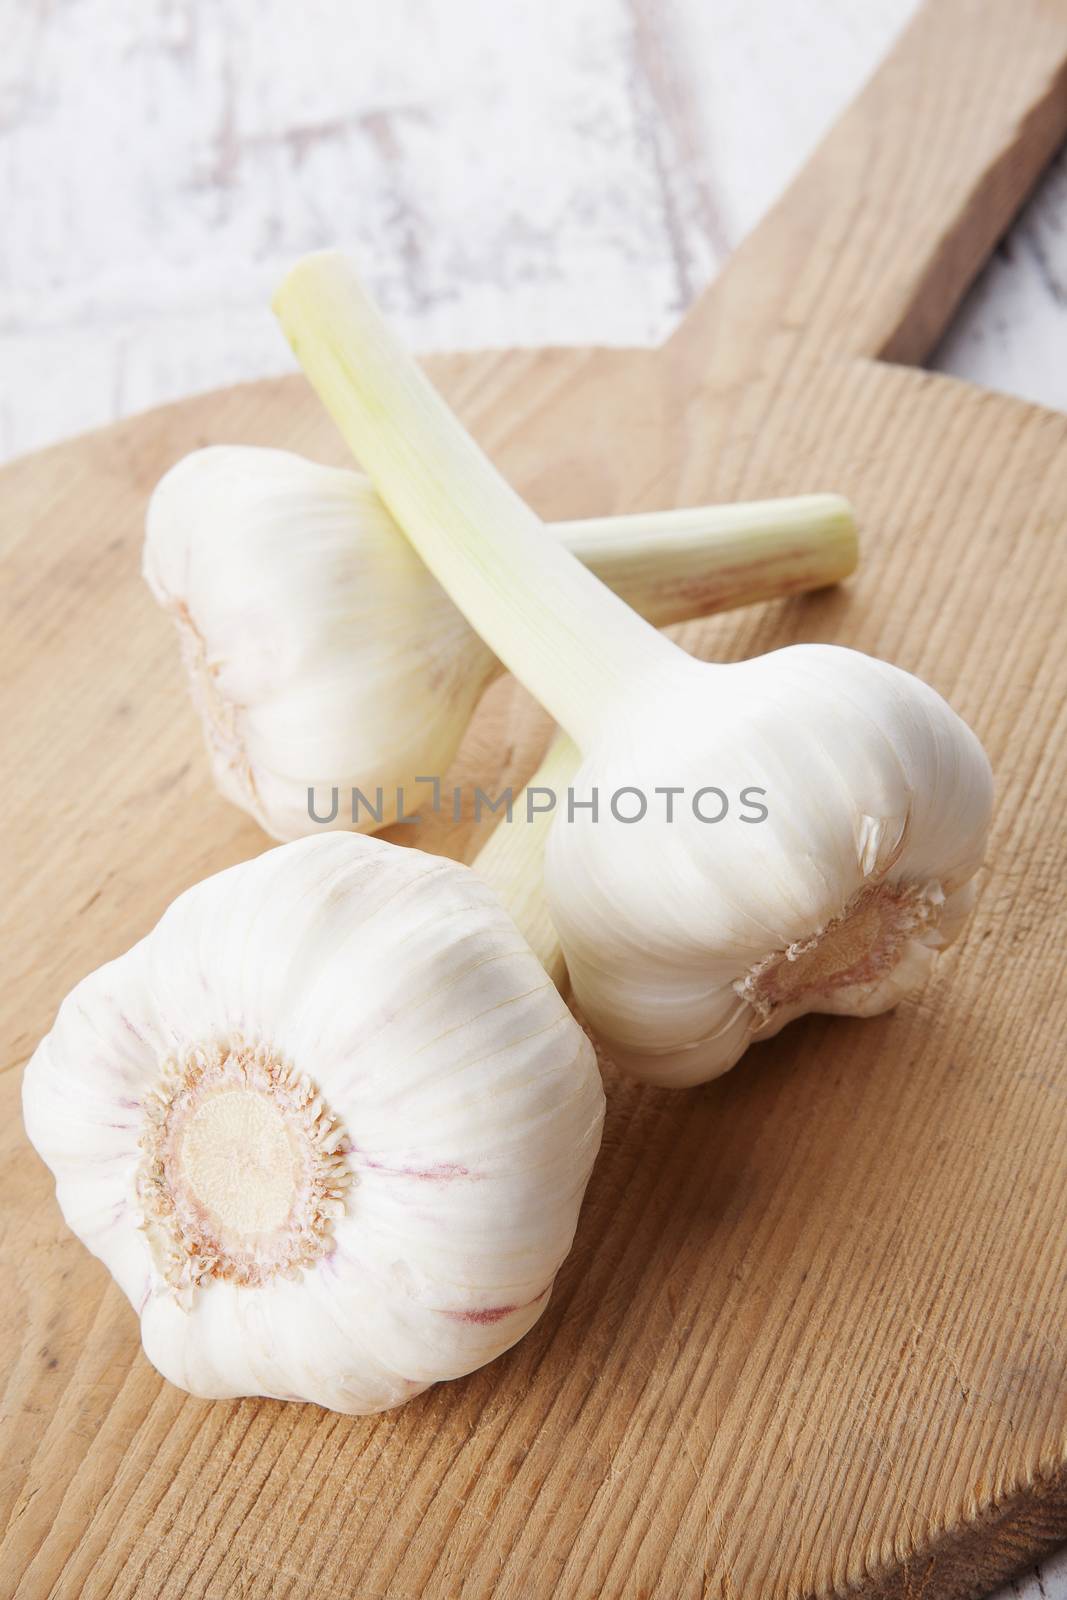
(874, 245)
(810, 1340)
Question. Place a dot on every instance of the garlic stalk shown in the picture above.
(323, 655)
(328, 1125)
(512, 860)
(857, 804)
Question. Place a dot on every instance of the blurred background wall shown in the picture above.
(509, 171)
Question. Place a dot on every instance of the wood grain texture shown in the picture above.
(810, 1340)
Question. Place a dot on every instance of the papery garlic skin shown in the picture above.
(687, 941)
(375, 1011)
(316, 659)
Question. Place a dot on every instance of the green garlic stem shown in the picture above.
(577, 647)
(512, 860)
(672, 566)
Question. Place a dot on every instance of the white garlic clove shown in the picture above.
(329, 1126)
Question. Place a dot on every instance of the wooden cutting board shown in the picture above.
(813, 1335)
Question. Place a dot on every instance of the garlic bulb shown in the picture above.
(795, 833)
(869, 808)
(329, 1126)
(323, 655)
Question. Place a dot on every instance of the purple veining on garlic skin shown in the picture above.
(436, 1172)
(332, 1260)
(486, 1315)
(477, 1316)
(131, 1028)
(103, 1159)
(118, 1212)
(111, 1063)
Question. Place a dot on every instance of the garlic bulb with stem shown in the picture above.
(691, 925)
(328, 1125)
(323, 655)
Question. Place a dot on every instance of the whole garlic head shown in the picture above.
(316, 659)
(688, 940)
(328, 1125)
